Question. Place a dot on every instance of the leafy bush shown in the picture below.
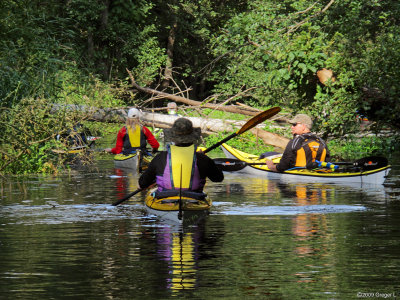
(351, 147)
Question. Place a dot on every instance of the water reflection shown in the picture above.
(178, 249)
(263, 239)
(125, 180)
(271, 197)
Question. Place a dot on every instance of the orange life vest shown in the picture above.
(308, 150)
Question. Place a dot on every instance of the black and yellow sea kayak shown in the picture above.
(178, 206)
(372, 172)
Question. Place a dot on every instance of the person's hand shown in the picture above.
(154, 151)
(107, 150)
(270, 165)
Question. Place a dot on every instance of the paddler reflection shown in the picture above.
(179, 249)
(310, 229)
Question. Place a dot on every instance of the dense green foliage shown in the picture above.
(262, 53)
(278, 46)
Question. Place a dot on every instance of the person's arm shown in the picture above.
(149, 176)
(151, 139)
(286, 162)
(119, 143)
(208, 168)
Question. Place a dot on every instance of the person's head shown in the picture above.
(132, 117)
(182, 132)
(133, 113)
(301, 123)
(172, 108)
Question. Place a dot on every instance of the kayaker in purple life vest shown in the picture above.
(133, 136)
(303, 149)
(180, 167)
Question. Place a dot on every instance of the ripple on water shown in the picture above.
(52, 213)
(226, 209)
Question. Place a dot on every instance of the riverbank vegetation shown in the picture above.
(339, 61)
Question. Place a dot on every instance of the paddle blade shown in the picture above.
(367, 163)
(372, 162)
(229, 164)
(257, 119)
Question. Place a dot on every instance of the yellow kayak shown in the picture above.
(371, 170)
(131, 161)
(172, 206)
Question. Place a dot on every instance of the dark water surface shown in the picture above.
(61, 239)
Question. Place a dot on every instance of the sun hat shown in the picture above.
(303, 119)
(182, 132)
(133, 113)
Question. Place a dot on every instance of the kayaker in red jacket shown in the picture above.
(133, 136)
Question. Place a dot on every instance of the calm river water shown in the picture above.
(61, 239)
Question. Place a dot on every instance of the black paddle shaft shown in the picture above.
(126, 197)
(221, 142)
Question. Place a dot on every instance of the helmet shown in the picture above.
(133, 113)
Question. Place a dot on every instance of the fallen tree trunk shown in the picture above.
(156, 120)
(270, 138)
(148, 118)
(207, 125)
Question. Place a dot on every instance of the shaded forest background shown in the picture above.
(258, 52)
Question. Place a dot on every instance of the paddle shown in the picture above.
(257, 119)
(365, 163)
(126, 197)
(180, 198)
(232, 164)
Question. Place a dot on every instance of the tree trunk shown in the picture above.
(208, 126)
(90, 45)
(270, 138)
(170, 56)
(103, 26)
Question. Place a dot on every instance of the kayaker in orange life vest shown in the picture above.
(303, 149)
(133, 136)
(181, 167)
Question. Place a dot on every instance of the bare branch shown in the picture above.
(230, 108)
(299, 24)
